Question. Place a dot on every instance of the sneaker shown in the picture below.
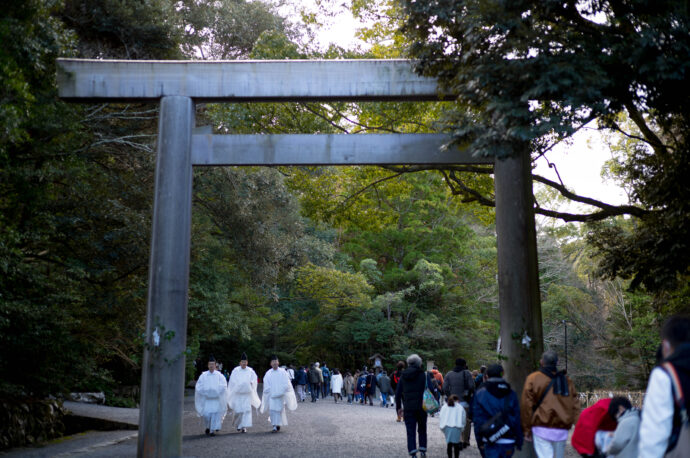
(278, 428)
(207, 431)
(244, 430)
(212, 433)
(275, 429)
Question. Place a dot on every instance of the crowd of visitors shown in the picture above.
(543, 415)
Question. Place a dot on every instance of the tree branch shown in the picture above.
(611, 209)
(654, 141)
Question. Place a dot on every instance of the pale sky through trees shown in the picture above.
(578, 162)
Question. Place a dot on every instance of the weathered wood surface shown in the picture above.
(243, 80)
(162, 381)
(336, 149)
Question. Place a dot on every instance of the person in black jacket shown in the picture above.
(493, 397)
(410, 392)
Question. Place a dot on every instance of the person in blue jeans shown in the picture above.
(495, 396)
(409, 393)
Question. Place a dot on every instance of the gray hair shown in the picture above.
(550, 358)
(414, 360)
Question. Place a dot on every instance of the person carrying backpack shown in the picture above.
(550, 407)
(496, 413)
(662, 430)
(326, 383)
(460, 383)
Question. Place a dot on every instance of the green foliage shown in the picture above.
(536, 71)
(653, 251)
(528, 69)
(226, 29)
(311, 263)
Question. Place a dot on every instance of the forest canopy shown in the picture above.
(336, 264)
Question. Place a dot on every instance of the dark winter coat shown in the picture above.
(371, 384)
(489, 400)
(459, 382)
(411, 388)
(314, 376)
(384, 383)
(300, 377)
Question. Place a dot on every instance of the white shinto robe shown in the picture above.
(278, 393)
(242, 395)
(210, 399)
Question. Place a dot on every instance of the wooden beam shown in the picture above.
(243, 81)
(333, 149)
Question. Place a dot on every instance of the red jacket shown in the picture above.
(592, 419)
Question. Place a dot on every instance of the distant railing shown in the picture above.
(591, 397)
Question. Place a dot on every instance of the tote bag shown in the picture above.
(429, 402)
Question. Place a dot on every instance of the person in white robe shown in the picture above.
(337, 385)
(277, 394)
(210, 398)
(242, 394)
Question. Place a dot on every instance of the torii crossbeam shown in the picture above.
(179, 85)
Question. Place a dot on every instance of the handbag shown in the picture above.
(429, 402)
(495, 427)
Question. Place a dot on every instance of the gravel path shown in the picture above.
(321, 429)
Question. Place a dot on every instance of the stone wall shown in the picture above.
(29, 421)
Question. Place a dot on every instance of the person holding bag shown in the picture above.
(496, 413)
(410, 393)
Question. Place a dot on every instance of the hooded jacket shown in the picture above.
(494, 396)
(300, 377)
(411, 389)
(560, 407)
(625, 439)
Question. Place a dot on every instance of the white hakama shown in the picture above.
(210, 399)
(242, 396)
(278, 394)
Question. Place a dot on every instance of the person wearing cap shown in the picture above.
(277, 394)
(210, 398)
(242, 395)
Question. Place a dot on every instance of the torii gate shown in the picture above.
(179, 85)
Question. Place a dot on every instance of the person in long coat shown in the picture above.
(337, 385)
(349, 384)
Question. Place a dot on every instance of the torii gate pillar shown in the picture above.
(518, 274)
(162, 384)
(178, 84)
